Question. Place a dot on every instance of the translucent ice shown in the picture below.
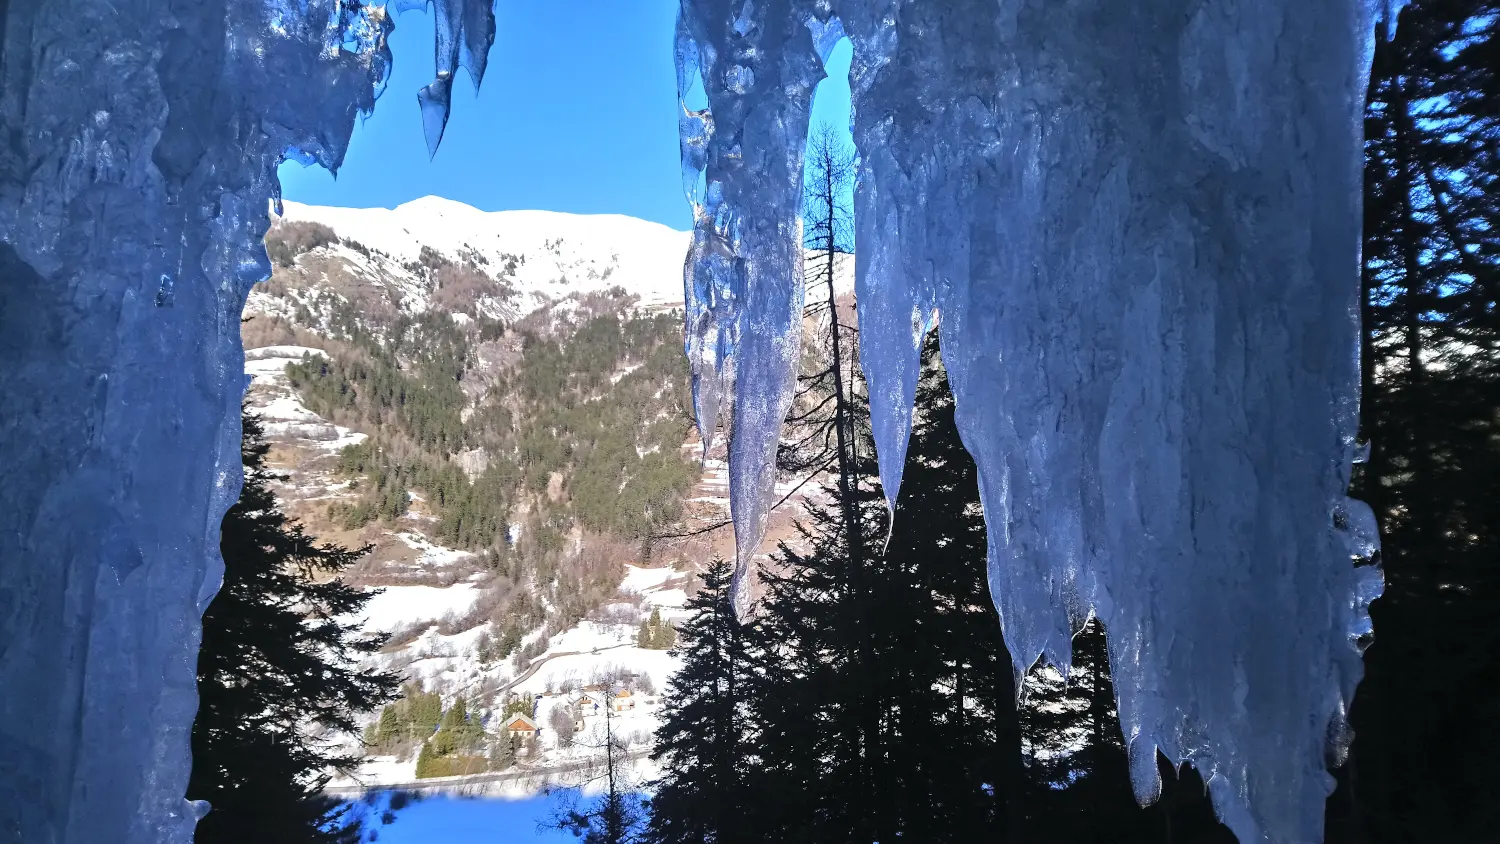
(1140, 226)
(139, 147)
(758, 66)
(465, 29)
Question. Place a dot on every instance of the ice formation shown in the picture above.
(138, 152)
(1140, 225)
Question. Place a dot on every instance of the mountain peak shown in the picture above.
(541, 255)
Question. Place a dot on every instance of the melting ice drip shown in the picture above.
(1140, 225)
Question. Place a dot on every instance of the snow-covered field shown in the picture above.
(660, 588)
(430, 554)
(396, 606)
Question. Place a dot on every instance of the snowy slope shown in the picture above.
(541, 269)
(283, 416)
(560, 254)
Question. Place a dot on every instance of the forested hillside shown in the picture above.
(496, 405)
(509, 425)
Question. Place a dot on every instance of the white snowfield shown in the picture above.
(559, 253)
(397, 606)
(578, 670)
(282, 414)
(430, 554)
(659, 588)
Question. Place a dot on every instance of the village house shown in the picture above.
(588, 703)
(520, 726)
(624, 700)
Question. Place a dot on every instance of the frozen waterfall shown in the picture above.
(1140, 224)
(139, 146)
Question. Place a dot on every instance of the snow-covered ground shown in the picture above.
(398, 606)
(660, 588)
(432, 555)
(590, 653)
(283, 415)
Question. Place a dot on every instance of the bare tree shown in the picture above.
(562, 721)
(823, 418)
(617, 816)
(831, 415)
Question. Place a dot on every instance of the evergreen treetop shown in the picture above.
(279, 653)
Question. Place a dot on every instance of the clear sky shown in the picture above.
(578, 112)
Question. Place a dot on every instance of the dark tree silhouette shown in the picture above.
(703, 741)
(1425, 717)
(279, 663)
(619, 814)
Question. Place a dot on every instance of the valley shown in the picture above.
(496, 406)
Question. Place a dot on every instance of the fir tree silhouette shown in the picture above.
(1424, 717)
(702, 742)
(279, 663)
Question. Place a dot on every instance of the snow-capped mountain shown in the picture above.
(544, 321)
(537, 257)
(497, 404)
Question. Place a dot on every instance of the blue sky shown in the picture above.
(578, 113)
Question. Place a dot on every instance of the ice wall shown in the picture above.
(1140, 224)
(138, 146)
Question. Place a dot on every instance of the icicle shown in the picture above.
(465, 32)
(1146, 282)
(893, 285)
(743, 281)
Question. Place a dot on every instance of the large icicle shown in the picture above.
(758, 66)
(1140, 223)
(139, 151)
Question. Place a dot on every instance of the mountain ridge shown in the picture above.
(540, 255)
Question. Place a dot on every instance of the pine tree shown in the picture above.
(882, 701)
(446, 740)
(389, 727)
(1431, 321)
(425, 712)
(810, 696)
(955, 739)
(656, 634)
(503, 752)
(701, 744)
(426, 761)
(278, 654)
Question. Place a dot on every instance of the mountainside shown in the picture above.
(497, 405)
